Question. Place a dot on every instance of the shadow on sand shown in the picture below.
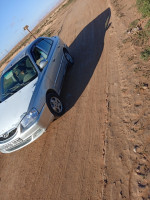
(86, 49)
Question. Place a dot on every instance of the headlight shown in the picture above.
(30, 118)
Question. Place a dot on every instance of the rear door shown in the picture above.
(50, 50)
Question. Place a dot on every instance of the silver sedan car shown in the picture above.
(30, 86)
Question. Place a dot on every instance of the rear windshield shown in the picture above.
(19, 75)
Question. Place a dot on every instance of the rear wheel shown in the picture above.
(68, 57)
(55, 104)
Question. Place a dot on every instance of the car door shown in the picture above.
(58, 65)
(48, 49)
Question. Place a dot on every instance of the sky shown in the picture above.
(15, 14)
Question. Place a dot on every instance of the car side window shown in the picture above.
(38, 55)
(41, 50)
(45, 45)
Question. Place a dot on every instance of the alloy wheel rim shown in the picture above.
(56, 104)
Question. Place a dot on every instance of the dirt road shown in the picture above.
(67, 161)
(78, 156)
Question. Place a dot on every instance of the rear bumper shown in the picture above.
(22, 139)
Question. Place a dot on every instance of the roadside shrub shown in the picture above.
(144, 7)
(141, 38)
(147, 26)
(134, 24)
(145, 55)
(67, 3)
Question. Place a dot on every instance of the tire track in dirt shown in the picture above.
(127, 165)
(67, 161)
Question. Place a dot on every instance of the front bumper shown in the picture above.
(24, 138)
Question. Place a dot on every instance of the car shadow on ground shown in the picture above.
(86, 50)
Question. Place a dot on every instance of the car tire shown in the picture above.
(55, 104)
(68, 57)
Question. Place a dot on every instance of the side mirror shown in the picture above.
(43, 63)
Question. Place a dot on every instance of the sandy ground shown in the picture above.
(99, 149)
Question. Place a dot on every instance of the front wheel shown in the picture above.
(55, 104)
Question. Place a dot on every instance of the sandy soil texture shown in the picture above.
(99, 149)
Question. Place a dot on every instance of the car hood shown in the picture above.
(13, 109)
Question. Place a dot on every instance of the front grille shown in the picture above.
(18, 143)
(7, 135)
(13, 143)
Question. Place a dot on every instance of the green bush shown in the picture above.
(67, 3)
(147, 26)
(145, 54)
(141, 38)
(134, 24)
(144, 7)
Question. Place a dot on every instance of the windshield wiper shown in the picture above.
(8, 93)
(22, 84)
(11, 91)
(14, 89)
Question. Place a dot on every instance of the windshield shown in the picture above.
(17, 77)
